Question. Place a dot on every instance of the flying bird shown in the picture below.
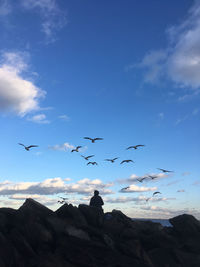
(135, 147)
(153, 176)
(111, 160)
(163, 170)
(155, 193)
(92, 162)
(76, 149)
(124, 188)
(148, 199)
(86, 158)
(127, 161)
(93, 139)
(27, 147)
(63, 201)
(141, 179)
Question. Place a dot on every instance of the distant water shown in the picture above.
(161, 221)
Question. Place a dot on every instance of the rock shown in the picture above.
(186, 225)
(72, 215)
(73, 231)
(94, 216)
(32, 208)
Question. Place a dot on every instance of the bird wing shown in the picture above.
(122, 161)
(90, 156)
(78, 147)
(160, 169)
(115, 158)
(108, 159)
(98, 138)
(139, 145)
(32, 146)
(87, 138)
(130, 147)
(21, 144)
(89, 163)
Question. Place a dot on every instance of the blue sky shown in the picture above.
(128, 72)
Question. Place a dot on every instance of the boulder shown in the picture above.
(186, 225)
(94, 216)
(71, 215)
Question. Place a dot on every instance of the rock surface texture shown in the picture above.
(35, 236)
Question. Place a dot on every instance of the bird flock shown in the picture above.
(112, 160)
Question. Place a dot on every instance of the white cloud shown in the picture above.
(180, 61)
(135, 189)
(17, 94)
(5, 8)
(63, 147)
(39, 118)
(54, 186)
(53, 17)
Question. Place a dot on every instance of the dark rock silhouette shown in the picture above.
(35, 236)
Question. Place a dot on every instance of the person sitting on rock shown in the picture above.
(96, 200)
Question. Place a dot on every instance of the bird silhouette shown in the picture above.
(93, 139)
(86, 158)
(124, 188)
(141, 179)
(63, 201)
(27, 147)
(126, 160)
(148, 199)
(153, 176)
(163, 170)
(92, 162)
(135, 147)
(155, 193)
(111, 160)
(76, 149)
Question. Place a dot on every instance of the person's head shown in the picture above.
(96, 193)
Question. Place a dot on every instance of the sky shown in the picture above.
(125, 71)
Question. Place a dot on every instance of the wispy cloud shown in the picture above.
(53, 17)
(5, 8)
(64, 117)
(39, 118)
(63, 147)
(17, 94)
(180, 61)
(134, 177)
(185, 173)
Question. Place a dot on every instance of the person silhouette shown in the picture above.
(96, 200)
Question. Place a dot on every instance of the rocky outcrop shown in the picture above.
(35, 236)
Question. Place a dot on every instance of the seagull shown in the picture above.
(127, 161)
(135, 147)
(27, 147)
(76, 149)
(92, 162)
(93, 139)
(125, 188)
(141, 179)
(153, 176)
(163, 170)
(148, 199)
(86, 158)
(111, 160)
(155, 193)
(63, 201)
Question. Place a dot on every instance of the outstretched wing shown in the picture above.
(21, 144)
(78, 147)
(32, 146)
(87, 138)
(98, 138)
(90, 156)
(129, 147)
(115, 158)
